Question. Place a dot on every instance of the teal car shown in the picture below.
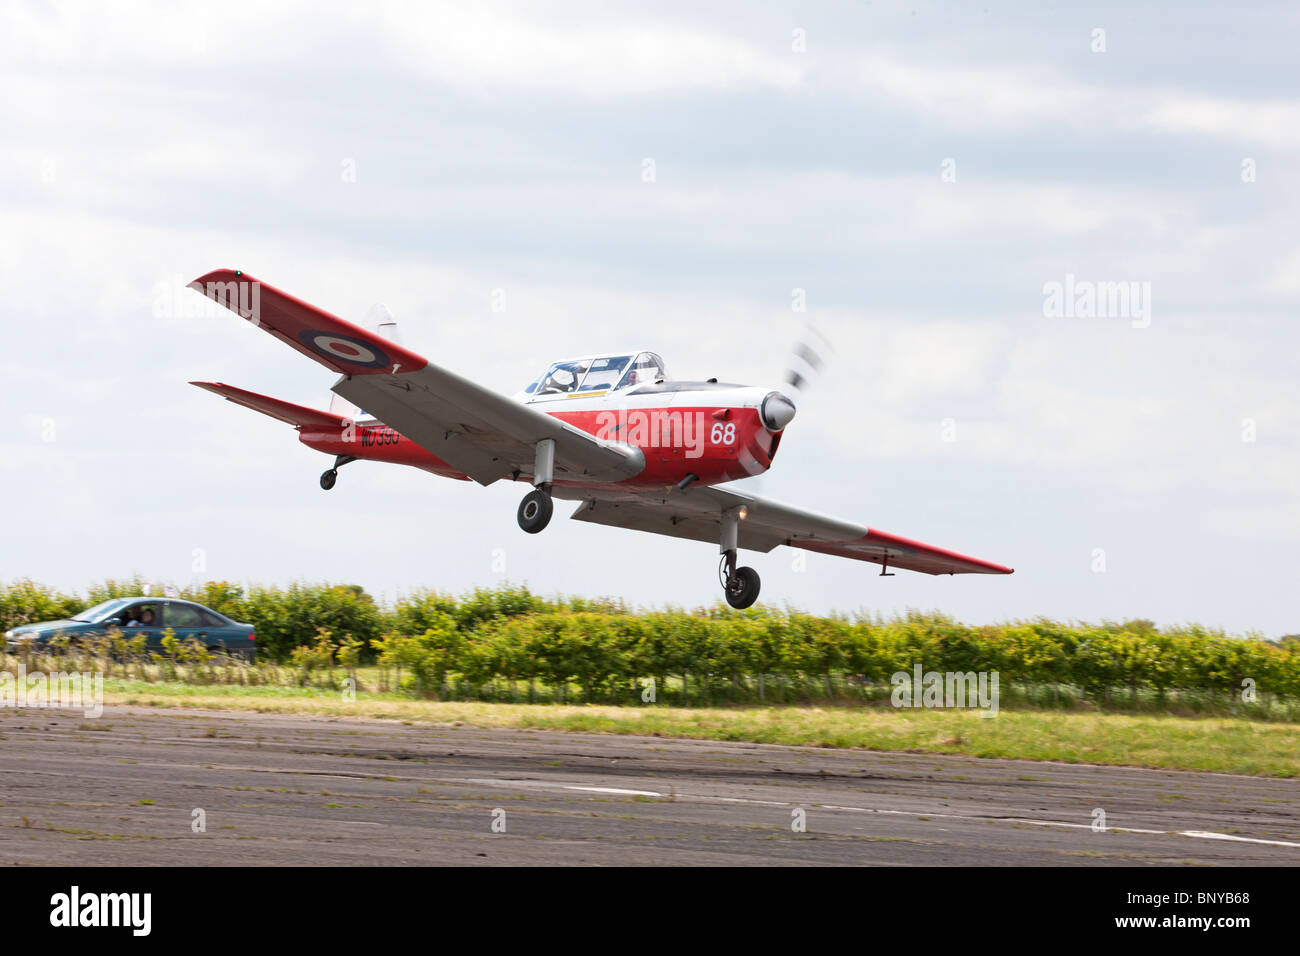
(149, 617)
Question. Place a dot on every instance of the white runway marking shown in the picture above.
(1207, 835)
(1196, 834)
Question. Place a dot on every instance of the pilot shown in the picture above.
(561, 380)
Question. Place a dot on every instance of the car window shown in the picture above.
(144, 614)
(100, 611)
(182, 615)
(210, 619)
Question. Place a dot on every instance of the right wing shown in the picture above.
(696, 513)
(475, 430)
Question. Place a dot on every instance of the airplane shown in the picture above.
(615, 432)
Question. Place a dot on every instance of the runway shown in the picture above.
(275, 790)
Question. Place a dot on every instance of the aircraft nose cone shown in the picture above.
(777, 411)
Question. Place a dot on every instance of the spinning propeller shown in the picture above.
(803, 367)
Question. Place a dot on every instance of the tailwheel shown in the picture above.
(327, 480)
(741, 588)
(535, 511)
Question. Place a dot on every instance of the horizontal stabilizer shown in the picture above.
(300, 416)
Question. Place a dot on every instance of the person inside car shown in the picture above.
(145, 619)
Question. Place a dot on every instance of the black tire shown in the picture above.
(328, 478)
(535, 511)
(742, 590)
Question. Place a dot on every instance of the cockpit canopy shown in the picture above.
(596, 375)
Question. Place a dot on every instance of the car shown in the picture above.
(147, 616)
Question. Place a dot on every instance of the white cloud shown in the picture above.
(473, 46)
(484, 47)
(972, 96)
(1270, 123)
(980, 97)
(1285, 279)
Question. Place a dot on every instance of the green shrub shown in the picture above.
(599, 650)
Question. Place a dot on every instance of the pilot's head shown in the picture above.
(631, 377)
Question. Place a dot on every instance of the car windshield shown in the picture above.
(101, 611)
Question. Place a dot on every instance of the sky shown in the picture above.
(943, 187)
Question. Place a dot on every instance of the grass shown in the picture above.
(1225, 745)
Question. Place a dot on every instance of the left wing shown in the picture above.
(696, 513)
(477, 431)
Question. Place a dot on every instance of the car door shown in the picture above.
(143, 618)
(186, 621)
(223, 633)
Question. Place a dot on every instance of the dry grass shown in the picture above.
(1213, 744)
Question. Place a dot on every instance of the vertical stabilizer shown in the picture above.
(380, 320)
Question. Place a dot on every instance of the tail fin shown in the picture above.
(297, 415)
(381, 320)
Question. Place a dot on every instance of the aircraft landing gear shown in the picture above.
(535, 510)
(328, 478)
(740, 585)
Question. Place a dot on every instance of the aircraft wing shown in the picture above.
(696, 513)
(478, 431)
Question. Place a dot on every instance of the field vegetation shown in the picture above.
(509, 645)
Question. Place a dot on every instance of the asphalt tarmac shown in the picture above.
(133, 786)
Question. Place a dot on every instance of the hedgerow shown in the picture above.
(508, 643)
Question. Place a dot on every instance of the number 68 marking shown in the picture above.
(723, 434)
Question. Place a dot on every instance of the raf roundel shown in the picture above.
(342, 348)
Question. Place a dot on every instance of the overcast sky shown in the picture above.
(922, 171)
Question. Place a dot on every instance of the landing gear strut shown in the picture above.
(739, 585)
(535, 510)
(328, 478)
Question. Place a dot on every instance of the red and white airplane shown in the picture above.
(613, 432)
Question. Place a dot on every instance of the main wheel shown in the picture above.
(742, 589)
(535, 511)
(328, 478)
